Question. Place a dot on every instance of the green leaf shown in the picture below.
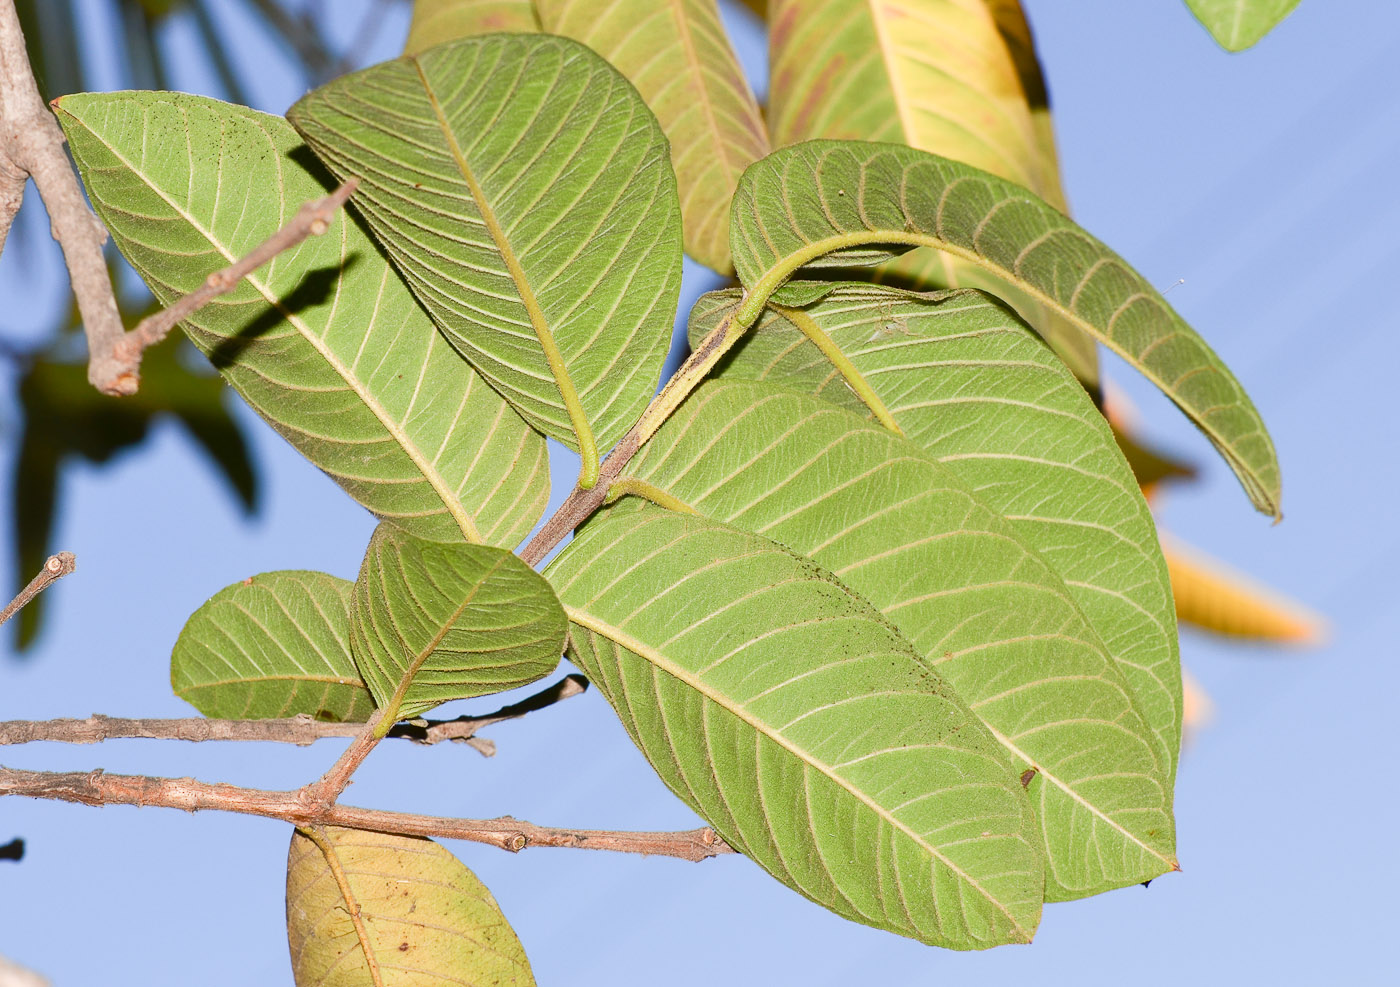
(325, 342)
(678, 57)
(783, 709)
(544, 240)
(1238, 24)
(830, 203)
(393, 911)
(962, 585)
(438, 21)
(970, 385)
(65, 419)
(274, 645)
(433, 622)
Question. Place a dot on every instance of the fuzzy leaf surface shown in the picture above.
(980, 607)
(526, 192)
(677, 55)
(832, 203)
(972, 386)
(275, 645)
(433, 622)
(782, 708)
(1238, 24)
(325, 342)
(393, 911)
(438, 21)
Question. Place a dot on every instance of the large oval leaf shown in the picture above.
(324, 342)
(789, 714)
(433, 622)
(959, 583)
(545, 241)
(677, 55)
(826, 203)
(438, 21)
(1238, 24)
(393, 911)
(969, 384)
(274, 645)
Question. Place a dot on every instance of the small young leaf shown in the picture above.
(1238, 24)
(324, 342)
(970, 385)
(274, 645)
(376, 910)
(436, 22)
(832, 203)
(433, 622)
(962, 585)
(782, 708)
(677, 55)
(526, 192)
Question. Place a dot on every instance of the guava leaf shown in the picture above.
(832, 203)
(526, 192)
(436, 22)
(433, 622)
(970, 385)
(1238, 24)
(324, 342)
(393, 911)
(980, 606)
(275, 645)
(782, 708)
(678, 57)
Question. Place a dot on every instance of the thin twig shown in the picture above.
(55, 568)
(32, 142)
(97, 788)
(312, 219)
(300, 730)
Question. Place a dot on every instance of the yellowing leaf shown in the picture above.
(1212, 596)
(438, 21)
(392, 911)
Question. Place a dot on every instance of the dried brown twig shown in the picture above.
(31, 146)
(302, 809)
(55, 568)
(300, 730)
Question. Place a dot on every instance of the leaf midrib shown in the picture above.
(622, 638)
(778, 273)
(410, 449)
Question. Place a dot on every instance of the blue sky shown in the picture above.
(1262, 182)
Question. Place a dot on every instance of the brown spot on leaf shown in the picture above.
(1026, 777)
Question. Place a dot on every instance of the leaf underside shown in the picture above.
(980, 607)
(971, 386)
(1238, 24)
(433, 622)
(789, 714)
(831, 203)
(275, 645)
(393, 911)
(525, 191)
(677, 55)
(324, 342)
(438, 21)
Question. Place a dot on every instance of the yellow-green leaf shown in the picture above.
(438, 21)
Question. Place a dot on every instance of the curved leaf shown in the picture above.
(274, 645)
(433, 622)
(828, 203)
(971, 386)
(393, 911)
(784, 710)
(961, 585)
(324, 342)
(438, 21)
(677, 55)
(1238, 24)
(544, 242)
